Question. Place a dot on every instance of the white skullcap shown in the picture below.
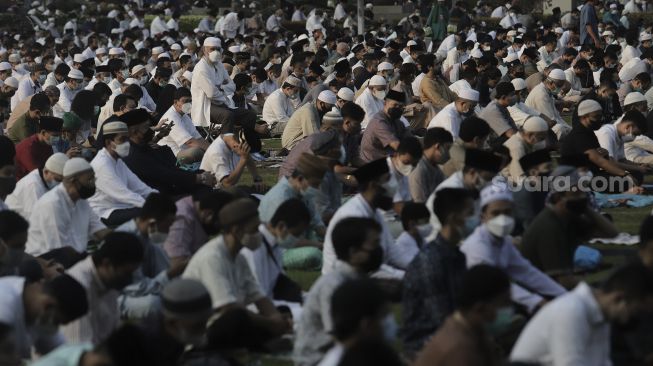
(293, 81)
(101, 51)
(369, 5)
(163, 55)
(518, 83)
(476, 53)
(521, 30)
(613, 6)
(268, 66)
(188, 75)
(234, 49)
(301, 37)
(408, 60)
(411, 43)
(212, 42)
(130, 81)
(512, 33)
(588, 106)
(559, 30)
(631, 69)
(134, 24)
(79, 58)
(76, 166)
(327, 96)
(137, 68)
(116, 51)
(645, 37)
(557, 74)
(175, 47)
(75, 74)
(117, 30)
(56, 162)
(495, 192)
(111, 128)
(157, 50)
(12, 82)
(4, 66)
(377, 80)
(385, 66)
(468, 94)
(634, 97)
(607, 33)
(510, 58)
(346, 94)
(535, 124)
(14, 57)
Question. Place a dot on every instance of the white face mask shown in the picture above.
(185, 108)
(379, 94)
(144, 80)
(404, 169)
(214, 56)
(51, 184)
(628, 137)
(425, 230)
(123, 149)
(501, 225)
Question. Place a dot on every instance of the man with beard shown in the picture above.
(103, 274)
(376, 191)
(307, 119)
(582, 140)
(357, 243)
(62, 217)
(28, 124)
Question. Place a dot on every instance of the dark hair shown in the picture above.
(413, 211)
(468, 73)
(636, 117)
(570, 52)
(472, 127)
(101, 90)
(135, 91)
(242, 79)
(352, 302)
(70, 295)
(127, 346)
(482, 283)
(425, 61)
(11, 224)
(84, 104)
(643, 77)
(634, 280)
(62, 69)
(504, 89)
(448, 200)
(353, 111)
(39, 102)
(436, 135)
(181, 92)
(351, 233)
(410, 145)
(645, 232)
(120, 101)
(166, 99)
(293, 212)
(158, 206)
(370, 353)
(119, 248)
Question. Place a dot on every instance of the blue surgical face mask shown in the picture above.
(288, 242)
(501, 322)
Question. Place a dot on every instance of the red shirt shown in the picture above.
(31, 154)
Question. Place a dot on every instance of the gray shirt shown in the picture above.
(588, 17)
(424, 179)
(498, 118)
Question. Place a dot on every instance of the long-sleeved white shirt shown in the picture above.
(28, 190)
(116, 187)
(182, 131)
(481, 247)
(370, 104)
(26, 88)
(66, 96)
(569, 331)
(56, 221)
(210, 83)
(448, 118)
(277, 108)
(339, 13)
(520, 112)
(158, 26)
(232, 25)
(540, 100)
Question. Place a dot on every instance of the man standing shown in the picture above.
(427, 175)
(589, 31)
(385, 129)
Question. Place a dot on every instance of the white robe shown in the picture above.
(370, 105)
(28, 190)
(210, 83)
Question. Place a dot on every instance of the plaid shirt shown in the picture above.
(431, 286)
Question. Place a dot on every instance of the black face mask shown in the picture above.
(7, 185)
(595, 124)
(395, 113)
(85, 192)
(521, 75)
(374, 261)
(577, 206)
(149, 135)
(383, 202)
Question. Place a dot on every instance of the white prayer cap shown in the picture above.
(476, 53)
(112, 128)
(510, 58)
(559, 30)
(346, 94)
(163, 55)
(557, 74)
(157, 50)
(293, 81)
(631, 69)
(518, 83)
(327, 96)
(116, 51)
(75, 74)
(268, 66)
(468, 94)
(588, 106)
(234, 49)
(56, 163)
(634, 97)
(76, 166)
(137, 69)
(377, 80)
(521, 30)
(101, 51)
(301, 37)
(12, 82)
(130, 81)
(188, 75)
(613, 6)
(14, 57)
(535, 124)
(385, 66)
(607, 33)
(4, 66)
(79, 58)
(134, 23)
(411, 43)
(112, 14)
(408, 60)
(512, 33)
(212, 42)
(35, 3)
(645, 37)
(369, 5)
(495, 192)
(117, 30)
(176, 47)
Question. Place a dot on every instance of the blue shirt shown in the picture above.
(588, 17)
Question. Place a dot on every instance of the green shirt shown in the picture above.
(23, 128)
